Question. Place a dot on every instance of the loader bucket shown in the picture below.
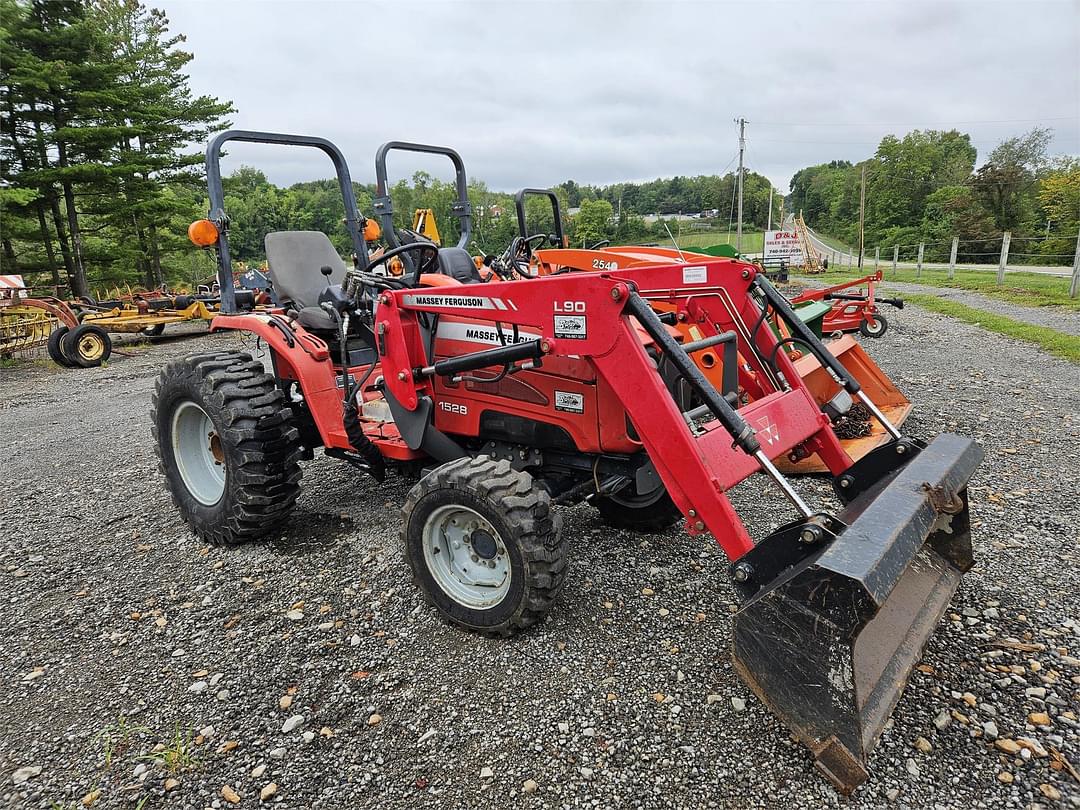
(829, 637)
(858, 436)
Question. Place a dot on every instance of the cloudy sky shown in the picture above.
(532, 93)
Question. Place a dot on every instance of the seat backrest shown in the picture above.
(457, 263)
(294, 260)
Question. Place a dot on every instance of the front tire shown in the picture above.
(226, 446)
(877, 329)
(484, 545)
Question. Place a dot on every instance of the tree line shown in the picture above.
(96, 123)
(926, 187)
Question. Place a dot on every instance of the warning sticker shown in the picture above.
(571, 326)
(695, 275)
(570, 402)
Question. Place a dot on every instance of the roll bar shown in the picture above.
(353, 220)
(519, 204)
(384, 206)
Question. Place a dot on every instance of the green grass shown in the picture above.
(751, 241)
(1054, 342)
(1026, 289)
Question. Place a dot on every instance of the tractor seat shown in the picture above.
(294, 261)
(458, 264)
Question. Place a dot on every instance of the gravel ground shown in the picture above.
(139, 665)
(1059, 318)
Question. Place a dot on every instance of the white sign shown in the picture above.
(784, 245)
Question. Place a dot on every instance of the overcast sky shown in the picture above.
(533, 93)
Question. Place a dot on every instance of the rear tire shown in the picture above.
(653, 512)
(86, 346)
(484, 545)
(877, 330)
(55, 349)
(154, 330)
(226, 445)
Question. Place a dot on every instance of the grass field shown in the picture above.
(1027, 289)
(1058, 343)
(751, 241)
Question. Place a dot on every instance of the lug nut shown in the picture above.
(845, 481)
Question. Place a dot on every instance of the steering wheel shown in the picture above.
(520, 252)
(601, 244)
(424, 265)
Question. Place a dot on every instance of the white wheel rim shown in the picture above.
(466, 557)
(198, 453)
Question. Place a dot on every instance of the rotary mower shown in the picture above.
(511, 397)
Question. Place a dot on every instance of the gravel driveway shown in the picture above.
(138, 665)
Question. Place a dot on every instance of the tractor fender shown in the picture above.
(301, 356)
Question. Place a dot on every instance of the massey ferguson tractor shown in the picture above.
(513, 397)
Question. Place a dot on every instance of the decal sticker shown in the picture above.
(481, 333)
(570, 402)
(768, 430)
(459, 301)
(695, 275)
(571, 326)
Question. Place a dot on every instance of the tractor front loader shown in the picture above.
(858, 431)
(512, 397)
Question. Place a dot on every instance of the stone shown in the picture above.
(198, 687)
(586, 773)
(258, 771)
(486, 772)
(309, 736)
(1039, 719)
(295, 615)
(171, 784)
(427, 735)
(284, 702)
(292, 724)
(25, 774)
(1005, 777)
(713, 698)
(230, 795)
(912, 767)
(1008, 746)
(943, 720)
(970, 699)
(530, 786)
(1036, 692)
(923, 744)
(990, 730)
(1050, 792)
(278, 753)
(224, 695)
(374, 720)
(738, 704)
(268, 791)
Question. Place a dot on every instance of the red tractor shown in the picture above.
(511, 398)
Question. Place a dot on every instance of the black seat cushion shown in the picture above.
(457, 263)
(294, 260)
(316, 318)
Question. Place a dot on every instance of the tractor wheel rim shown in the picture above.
(197, 451)
(466, 557)
(91, 347)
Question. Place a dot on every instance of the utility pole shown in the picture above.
(769, 226)
(742, 148)
(862, 212)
